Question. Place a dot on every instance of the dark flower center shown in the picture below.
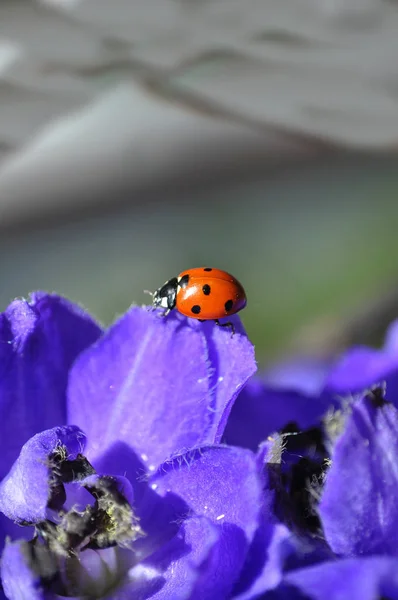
(298, 478)
(64, 541)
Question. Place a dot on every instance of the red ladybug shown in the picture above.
(203, 293)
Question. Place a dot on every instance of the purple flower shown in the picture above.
(362, 367)
(333, 464)
(358, 507)
(303, 391)
(112, 462)
(147, 462)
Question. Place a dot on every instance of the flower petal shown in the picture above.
(276, 550)
(264, 564)
(305, 375)
(177, 569)
(19, 580)
(361, 368)
(158, 516)
(187, 561)
(357, 579)
(26, 490)
(222, 484)
(9, 529)
(358, 507)
(39, 341)
(232, 362)
(391, 338)
(261, 410)
(159, 385)
(144, 383)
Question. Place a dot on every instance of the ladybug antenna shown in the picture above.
(148, 292)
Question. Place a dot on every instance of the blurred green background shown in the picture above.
(311, 243)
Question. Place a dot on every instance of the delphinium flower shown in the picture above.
(111, 463)
(148, 461)
(334, 466)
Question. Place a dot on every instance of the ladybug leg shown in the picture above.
(161, 314)
(229, 324)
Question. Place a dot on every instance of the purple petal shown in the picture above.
(159, 385)
(18, 579)
(178, 569)
(158, 516)
(188, 562)
(39, 341)
(305, 375)
(274, 551)
(264, 564)
(261, 410)
(14, 532)
(391, 338)
(358, 507)
(25, 491)
(356, 579)
(232, 363)
(361, 368)
(222, 484)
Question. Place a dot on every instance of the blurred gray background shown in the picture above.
(138, 139)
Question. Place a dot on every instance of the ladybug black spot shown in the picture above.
(207, 269)
(184, 281)
(206, 289)
(195, 309)
(228, 305)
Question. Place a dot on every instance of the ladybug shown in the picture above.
(203, 293)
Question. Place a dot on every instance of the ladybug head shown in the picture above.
(165, 296)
